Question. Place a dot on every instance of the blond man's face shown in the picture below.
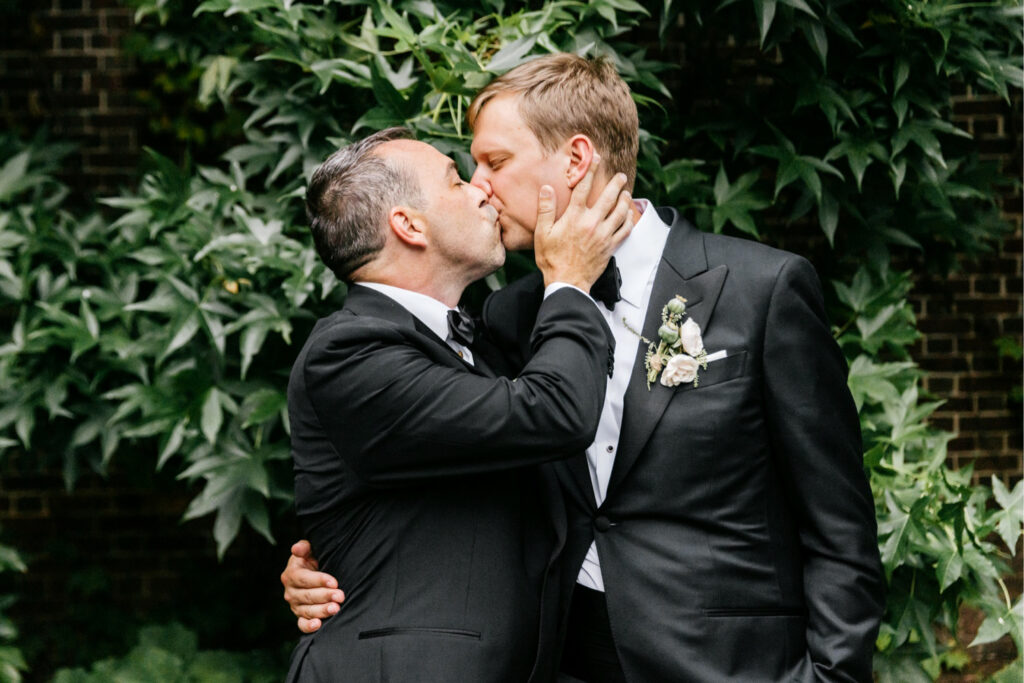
(511, 168)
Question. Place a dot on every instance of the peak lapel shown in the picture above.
(364, 301)
(683, 270)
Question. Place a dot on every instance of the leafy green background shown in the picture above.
(163, 324)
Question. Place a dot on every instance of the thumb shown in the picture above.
(545, 209)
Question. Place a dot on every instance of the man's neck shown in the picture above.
(447, 293)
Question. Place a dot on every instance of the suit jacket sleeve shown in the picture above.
(397, 416)
(816, 434)
(508, 315)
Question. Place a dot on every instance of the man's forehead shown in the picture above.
(489, 138)
(501, 129)
(404, 146)
(412, 152)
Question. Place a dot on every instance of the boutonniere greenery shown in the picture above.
(679, 353)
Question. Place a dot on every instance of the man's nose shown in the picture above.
(480, 194)
(481, 180)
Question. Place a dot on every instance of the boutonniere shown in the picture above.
(679, 352)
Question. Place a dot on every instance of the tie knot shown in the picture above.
(461, 326)
(606, 289)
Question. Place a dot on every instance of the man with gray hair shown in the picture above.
(413, 474)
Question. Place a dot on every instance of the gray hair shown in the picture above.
(348, 200)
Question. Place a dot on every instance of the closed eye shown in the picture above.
(453, 173)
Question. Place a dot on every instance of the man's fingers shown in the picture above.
(624, 225)
(313, 596)
(578, 199)
(320, 610)
(610, 197)
(298, 576)
(313, 579)
(309, 625)
(302, 548)
(621, 219)
(545, 210)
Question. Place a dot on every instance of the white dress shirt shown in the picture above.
(428, 311)
(637, 259)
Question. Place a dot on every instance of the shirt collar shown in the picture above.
(639, 254)
(427, 310)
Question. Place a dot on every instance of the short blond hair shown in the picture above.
(561, 95)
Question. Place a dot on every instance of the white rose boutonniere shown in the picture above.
(679, 370)
(689, 335)
(679, 353)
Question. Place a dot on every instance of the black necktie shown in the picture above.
(606, 289)
(460, 326)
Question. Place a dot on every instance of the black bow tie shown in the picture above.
(460, 326)
(606, 289)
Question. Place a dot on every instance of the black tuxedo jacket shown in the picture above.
(414, 480)
(738, 539)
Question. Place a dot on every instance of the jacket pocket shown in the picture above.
(418, 631)
(719, 371)
(755, 612)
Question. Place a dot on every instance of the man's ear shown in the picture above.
(407, 225)
(581, 154)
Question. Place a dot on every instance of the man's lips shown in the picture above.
(492, 213)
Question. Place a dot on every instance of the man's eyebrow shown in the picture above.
(452, 170)
(492, 151)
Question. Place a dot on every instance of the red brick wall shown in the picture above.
(114, 554)
(60, 66)
(962, 315)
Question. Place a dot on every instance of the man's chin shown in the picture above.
(516, 239)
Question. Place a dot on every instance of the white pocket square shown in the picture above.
(717, 355)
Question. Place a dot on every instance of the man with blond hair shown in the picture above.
(720, 525)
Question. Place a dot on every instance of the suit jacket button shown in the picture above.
(602, 523)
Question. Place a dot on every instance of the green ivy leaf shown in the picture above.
(1010, 520)
(187, 329)
(212, 415)
(995, 626)
(949, 569)
(828, 216)
(13, 175)
(817, 39)
(735, 201)
(764, 10)
(262, 405)
(900, 75)
(511, 55)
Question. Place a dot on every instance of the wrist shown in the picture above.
(554, 277)
(558, 286)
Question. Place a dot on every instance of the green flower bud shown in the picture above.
(676, 305)
(669, 334)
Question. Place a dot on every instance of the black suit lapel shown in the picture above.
(683, 270)
(370, 302)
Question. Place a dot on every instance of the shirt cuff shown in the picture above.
(555, 286)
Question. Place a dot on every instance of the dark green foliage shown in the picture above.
(171, 654)
(168, 330)
(12, 662)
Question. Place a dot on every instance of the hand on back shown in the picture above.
(311, 594)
